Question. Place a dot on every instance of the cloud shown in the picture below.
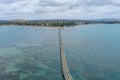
(39, 9)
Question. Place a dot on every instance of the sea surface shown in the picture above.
(32, 53)
(93, 51)
(29, 53)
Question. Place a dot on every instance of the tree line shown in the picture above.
(40, 23)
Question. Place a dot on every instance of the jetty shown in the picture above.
(65, 69)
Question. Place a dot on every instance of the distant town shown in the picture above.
(55, 23)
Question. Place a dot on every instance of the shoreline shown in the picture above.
(54, 27)
(33, 26)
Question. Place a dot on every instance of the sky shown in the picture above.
(59, 9)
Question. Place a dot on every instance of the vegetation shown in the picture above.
(40, 23)
(54, 23)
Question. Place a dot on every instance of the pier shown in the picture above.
(64, 65)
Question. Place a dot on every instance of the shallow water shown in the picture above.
(31, 53)
(93, 51)
(28, 53)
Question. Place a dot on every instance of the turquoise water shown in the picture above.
(31, 53)
(28, 53)
(93, 51)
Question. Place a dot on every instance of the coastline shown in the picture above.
(54, 27)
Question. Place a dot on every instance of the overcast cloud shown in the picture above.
(59, 9)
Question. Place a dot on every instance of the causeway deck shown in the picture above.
(65, 68)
